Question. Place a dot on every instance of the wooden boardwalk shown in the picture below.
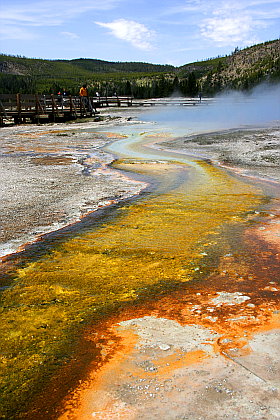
(46, 108)
(168, 102)
(49, 108)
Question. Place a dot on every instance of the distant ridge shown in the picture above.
(101, 66)
(84, 66)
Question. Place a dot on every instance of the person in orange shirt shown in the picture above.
(84, 96)
(84, 91)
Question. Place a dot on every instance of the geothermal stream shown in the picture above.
(188, 249)
(168, 306)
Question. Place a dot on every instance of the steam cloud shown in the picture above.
(232, 109)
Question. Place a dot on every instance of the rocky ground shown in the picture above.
(51, 175)
(256, 152)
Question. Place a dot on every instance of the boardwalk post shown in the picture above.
(73, 109)
(40, 110)
(3, 114)
(37, 106)
(18, 117)
(54, 107)
(71, 104)
(53, 117)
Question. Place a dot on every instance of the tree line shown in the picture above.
(140, 88)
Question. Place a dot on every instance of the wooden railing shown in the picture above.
(38, 108)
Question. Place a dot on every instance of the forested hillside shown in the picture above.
(245, 69)
(99, 66)
(242, 69)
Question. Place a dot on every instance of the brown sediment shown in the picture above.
(167, 364)
(52, 160)
(40, 133)
(159, 136)
(270, 231)
(114, 135)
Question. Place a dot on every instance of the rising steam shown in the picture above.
(231, 109)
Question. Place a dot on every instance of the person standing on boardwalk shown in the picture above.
(84, 95)
(84, 91)
(86, 99)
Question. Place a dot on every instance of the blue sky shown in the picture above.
(155, 31)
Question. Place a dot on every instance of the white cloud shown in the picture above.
(225, 31)
(70, 35)
(241, 16)
(238, 22)
(133, 32)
